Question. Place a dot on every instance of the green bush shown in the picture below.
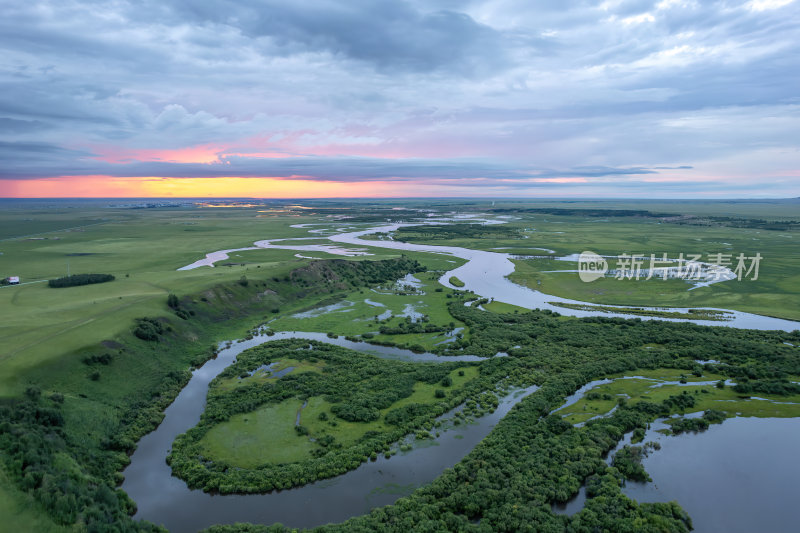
(80, 279)
(148, 329)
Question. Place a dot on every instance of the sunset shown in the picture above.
(625, 99)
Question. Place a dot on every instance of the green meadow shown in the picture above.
(652, 388)
(143, 249)
(359, 311)
(776, 292)
(267, 435)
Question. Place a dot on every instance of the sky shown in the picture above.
(347, 98)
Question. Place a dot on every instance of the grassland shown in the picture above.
(360, 317)
(652, 388)
(775, 292)
(267, 435)
(143, 249)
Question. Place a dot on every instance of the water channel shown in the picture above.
(166, 500)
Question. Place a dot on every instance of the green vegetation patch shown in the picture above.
(79, 279)
(457, 231)
(501, 307)
(266, 435)
(691, 314)
(455, 282)
(311, 425)
(601, 399)
(382, 315)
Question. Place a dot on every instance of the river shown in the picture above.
(485, 273)
(166, 500)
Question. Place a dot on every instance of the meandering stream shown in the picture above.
(485, 273)
(164, 499)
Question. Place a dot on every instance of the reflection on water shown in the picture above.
(738, 476)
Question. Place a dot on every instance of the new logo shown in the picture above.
(591, 266)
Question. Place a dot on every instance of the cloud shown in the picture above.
(36, 161)
(615, 92)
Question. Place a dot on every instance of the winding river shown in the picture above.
(166, 500)
(484, 273)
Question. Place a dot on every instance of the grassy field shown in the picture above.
(358, 314)
(250, 439)
(707, 396)
(267, 434)
(775, 293)
(143, 249)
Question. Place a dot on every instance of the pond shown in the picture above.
(719, 476)
(739, 476)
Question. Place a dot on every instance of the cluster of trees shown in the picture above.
(751, 354)
(343, 274)
(781, 387)
(681, 425)
(456, 231)
(39, 457)
(628, 461)
(174, 303)
(149, 329)
(407, 326)
(79, 279)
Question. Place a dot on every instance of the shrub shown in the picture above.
(148, 329)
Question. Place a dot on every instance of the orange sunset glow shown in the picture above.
(143, 187)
